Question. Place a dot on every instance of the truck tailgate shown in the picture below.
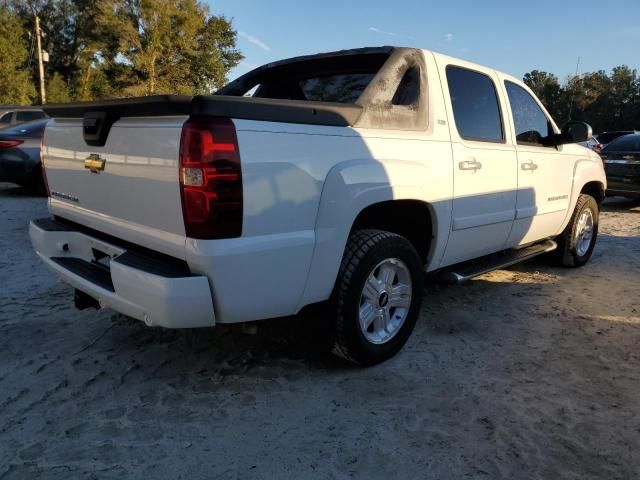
(135, 196)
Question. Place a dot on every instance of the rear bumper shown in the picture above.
(616, 187)
(155, 290)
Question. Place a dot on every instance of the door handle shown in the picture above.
(529, 166)
(470, 165)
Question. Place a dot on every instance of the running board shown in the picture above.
(464, 271)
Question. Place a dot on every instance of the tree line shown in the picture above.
(118, 48)
(114, 48)
(607, 101)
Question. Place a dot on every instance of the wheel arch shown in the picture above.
(353, 193)
(594, 188)
(409, 218)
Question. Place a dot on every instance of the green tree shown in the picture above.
(112, 48)
(606, 101)
(624, 95)
(15, 81)
(176, 47)
(546, 87)
(57, 89)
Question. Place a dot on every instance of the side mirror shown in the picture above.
(574, 132)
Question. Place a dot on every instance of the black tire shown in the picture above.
(364, 251)
(567, 254)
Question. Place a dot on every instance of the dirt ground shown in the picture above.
(530, 372)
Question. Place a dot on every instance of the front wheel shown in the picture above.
(377, 297)
(576, 243)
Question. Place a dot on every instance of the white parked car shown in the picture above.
(342, 180)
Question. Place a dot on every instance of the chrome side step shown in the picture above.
(464, 271)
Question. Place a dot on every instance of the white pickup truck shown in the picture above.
(336, 179)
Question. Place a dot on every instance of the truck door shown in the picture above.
(544, 171)
(485, 164)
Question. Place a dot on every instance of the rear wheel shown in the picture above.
(378, 296)
(576, 243)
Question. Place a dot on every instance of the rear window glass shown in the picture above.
(322, 78)
(343, 88)
(5, 119)
(28, 116)
(628, 143)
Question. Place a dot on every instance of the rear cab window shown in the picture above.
(476, 108)
(340, 79)
(342, 88)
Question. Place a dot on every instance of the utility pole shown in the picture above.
(573, 90)
(43, 96)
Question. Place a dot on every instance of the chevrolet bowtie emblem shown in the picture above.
(94, 163)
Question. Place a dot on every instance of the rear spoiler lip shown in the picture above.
(151, 106)
(277, 110)
(245, 108)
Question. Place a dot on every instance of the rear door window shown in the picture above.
(475, 105)
(5, 119)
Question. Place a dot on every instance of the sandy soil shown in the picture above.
(531, 372)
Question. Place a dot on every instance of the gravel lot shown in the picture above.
(530, 372)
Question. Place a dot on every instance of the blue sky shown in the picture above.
(511, 36)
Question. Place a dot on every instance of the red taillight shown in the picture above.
(4, 144)
(210, 178)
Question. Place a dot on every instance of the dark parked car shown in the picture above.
(608, 137)
(20, 155)
(12, 115)
(622, 164)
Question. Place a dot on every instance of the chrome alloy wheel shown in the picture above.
(385, 301)
(584, 232)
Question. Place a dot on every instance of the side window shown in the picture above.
(475, 105)
(5, 119)
(532, 125)
(408, 90)
(22, 117)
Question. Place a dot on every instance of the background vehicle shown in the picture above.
(622, 165)
(10, 116)
(592, 144)
(340, 182)
(20, 155)
(608, 137)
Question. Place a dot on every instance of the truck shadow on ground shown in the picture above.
(473, 310)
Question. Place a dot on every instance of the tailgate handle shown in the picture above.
(96, 127)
